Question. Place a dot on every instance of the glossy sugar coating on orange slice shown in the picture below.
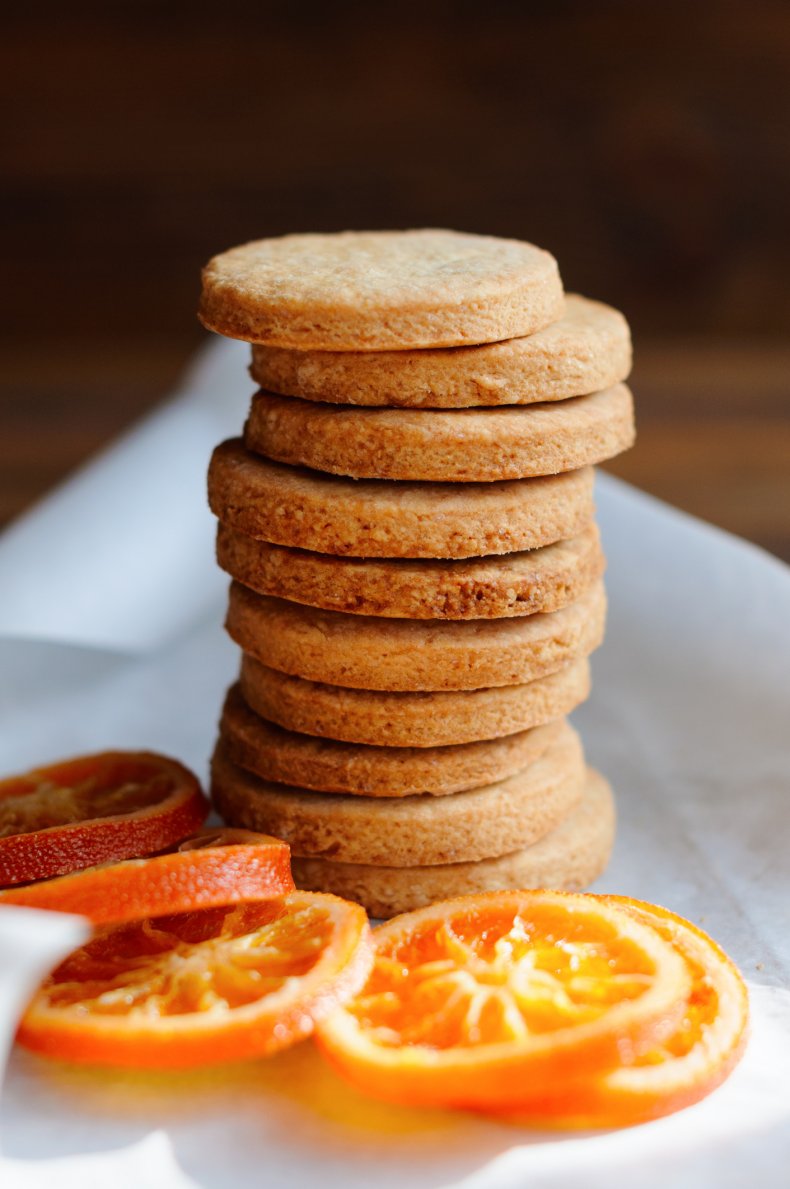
(696, 1058)
(218, 984)
(475, 999)
(94, 809)
(213, 868)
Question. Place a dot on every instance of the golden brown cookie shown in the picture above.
(443, 445)
(367, 652)
(569, 858)
(380, 290)
(585, 350)
(375, 518)
(407, 831)
(481, 588)
(411, 720)
(285, 757)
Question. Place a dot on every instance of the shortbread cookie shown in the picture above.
(481, 588)
(587, 349)
(408, 831)
(569, 858)
(285, 757)
(411, 720)
(443, 445)
(380, 290)
(364, 652)
(375, 518)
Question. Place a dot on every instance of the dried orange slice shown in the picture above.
(698, 1056)
(219, 984)
(94, 809)
(473, 1000)
(214, 867)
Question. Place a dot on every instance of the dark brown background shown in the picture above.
(646, 144)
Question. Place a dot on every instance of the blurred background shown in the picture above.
(647, 145)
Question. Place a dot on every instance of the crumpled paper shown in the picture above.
(110, 635)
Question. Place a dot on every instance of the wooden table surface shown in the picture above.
(714, 422)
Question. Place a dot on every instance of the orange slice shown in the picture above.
(94, 809)
(472, 1000)
(219, 984)
(215, 867)
(698, 1056)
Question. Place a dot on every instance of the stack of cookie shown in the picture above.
(408, 522)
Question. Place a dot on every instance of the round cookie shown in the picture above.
(365, 652)
(588, 348)
(409, 831)
(376, 518)
(411, 719)
(380, 290)
(325, 765)
(443, 445)
(481, 588)
(569, 859)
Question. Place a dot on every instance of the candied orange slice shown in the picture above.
(696, 1058)
(218, 984)
(472, 1001)
(213, 868)
(94, 809)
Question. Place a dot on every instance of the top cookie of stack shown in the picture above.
(380, 290)
(420, 451)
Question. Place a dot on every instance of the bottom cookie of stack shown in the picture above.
(569, 858)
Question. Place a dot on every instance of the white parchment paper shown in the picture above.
(110, 635)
